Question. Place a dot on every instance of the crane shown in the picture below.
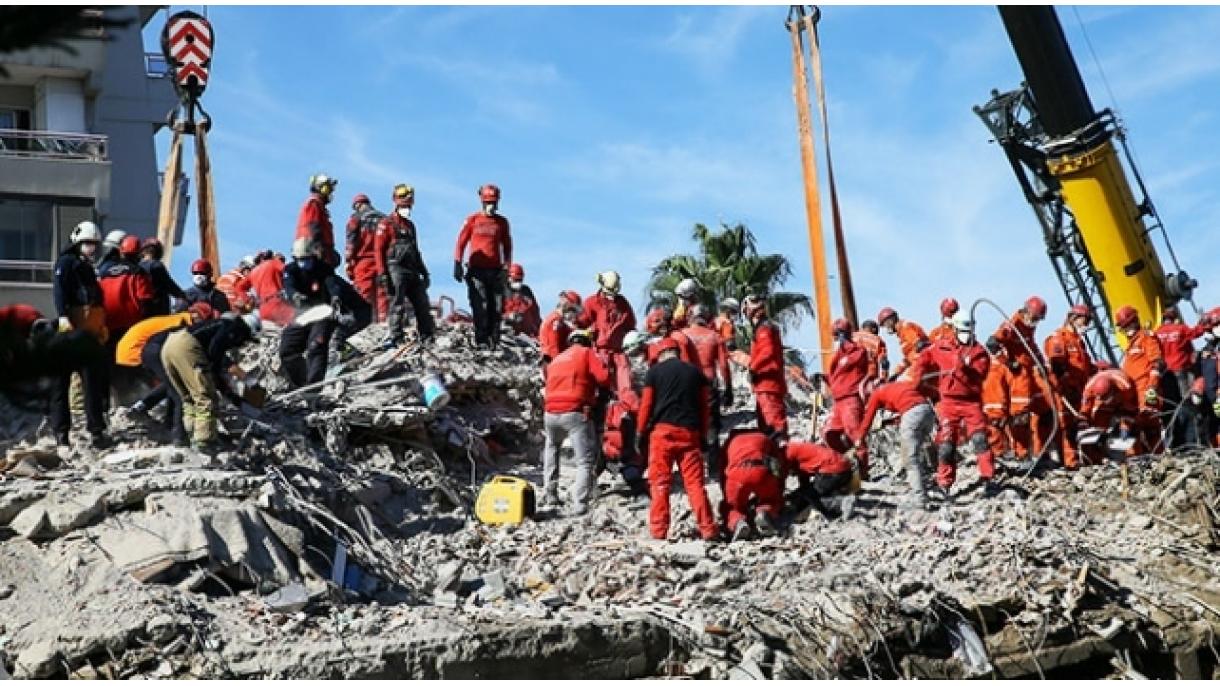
(1073, 165)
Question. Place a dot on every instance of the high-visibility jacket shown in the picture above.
(132, 343)
(997, 387)
(911, 341)
(572, 379)
(1017, 338)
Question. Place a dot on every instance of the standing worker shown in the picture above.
(78, 302)
(520, 306)
(674, 420)
(608, 313)
(1031, 417)
(767, 378)
(571, 387)
(712, 358)
(267, 282)
(868, 338)
(313, 222)
(553, 334)
(848, 373)
(401, 271)
(127, 290)
(361, 253)
(726, 322)
(1071, 367)
(235, 284)
(164, 286)
(686, 293)
(911, 340)
(1181, 367)
(203, 289)
(1144, 364)
(997, 400)
(303, 347)
(491, 248)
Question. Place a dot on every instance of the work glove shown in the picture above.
(427, 279)
(457, 271)
(1151, 397)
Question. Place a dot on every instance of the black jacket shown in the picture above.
(212, 296)
(75, 282)
(309, 283)
(217, 337)
(163, 285)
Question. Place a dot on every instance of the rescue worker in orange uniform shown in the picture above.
(235, 284)
(911, 340)
(878, 361)
(520, 306)
(313, 222)
(944, 330)
(1111, 403)
(848, 374)
(962, 365)
(553, 334)
(267, 282)
(1071, 367)
(767, 378)
(996, 399)
(754, 470)
(1144, 364)
(361, 254)
(674, 419)
(726, 324)
(489, 237)
(1030, 414)
(608, 313)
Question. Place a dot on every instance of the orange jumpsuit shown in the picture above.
(942, 331)
(1143, 362)
(1030, 421)
(1070, 369)
(878, 363)
(996, 401)
(727, 329)
(236, 286)
(911, 340)
(1122, 407)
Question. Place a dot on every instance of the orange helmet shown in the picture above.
(1103, 386)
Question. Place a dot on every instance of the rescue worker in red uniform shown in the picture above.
(673, 419)
(915, 424)
(491, 249)
(911, 340)
(1071, 367)
(686, 294)
(520, 306)
(1181, 367)
(619, 445)
(608, 313)
(848, 373)
(1031, 417)
(553, 334)
(571, 389)
(962, 365)
(235, 285)
(313, 222)
(659, 324)
(767, 378)
(127, 291)
(1144, 364)
(401, 270)
(754, 470)
(267, 282)
(944, 330)
(824, 473)
(709, 354)
(1110, 403)
(878, 361)
(361, 254)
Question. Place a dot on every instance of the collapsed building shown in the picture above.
(335, 538)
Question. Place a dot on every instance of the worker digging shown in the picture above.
(303, 467)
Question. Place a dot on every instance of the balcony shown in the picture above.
(53, 145)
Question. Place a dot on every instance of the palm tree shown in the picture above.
(729, 266)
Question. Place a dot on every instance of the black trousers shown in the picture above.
(407, 288)
(485, 288)
(150, 359)
(352, 303)
(303, 351)
(81, 353)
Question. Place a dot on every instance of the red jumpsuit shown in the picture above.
(812, 459)
(267, 282)
(767, 376)
(962, 370)
(235, 285)
(1121, 407)
(746, 475)
(710, 354)
(611, 316)
(1031, 422)
(362, 260)
(848, 372)
(878, 362)
(522, 302)
(686, 350)
(1070, 369)
(553, 336)
(314, 223)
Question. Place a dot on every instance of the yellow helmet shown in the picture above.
(404, 194)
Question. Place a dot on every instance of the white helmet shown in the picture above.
(687, 289)
(247, 262)
(300, 247)
(253, 321)
(634, 340)
(112, 239)
(321, 183)
(963, 322)
(85, 232)
(609, 282)
(730, 304)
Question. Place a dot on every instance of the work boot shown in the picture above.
(763, 523)
(991, 489)
(100, 441)
(741, 532)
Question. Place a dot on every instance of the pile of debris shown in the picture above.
(334, 538)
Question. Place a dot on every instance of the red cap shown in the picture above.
(129, 246)
(1036, 307)
(201, 267)
(569, 297)
(948, 307)
(1080, 311)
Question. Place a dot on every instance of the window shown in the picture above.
(33, 231)
(14, 118)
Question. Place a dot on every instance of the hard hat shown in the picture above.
(1036, 307)
(730, 305)
(1127, 316)
(699, 313)
(1080, 311)
(1199, 386)
(753, 305)
(1103, 385)
(1170, 312)
(1103, 365)
(886, 313)
(130, 245)
(841, 326)
(201, 310)
(489, 192)
(150, 243)
(516, 272)
(948, 307)
(687, 288)
(321, 183)
(201, 266)
(300, 247)
(113, 238)
(633, 341)
(263, 255)
(580, 336)
(657, 319)
(569, 300)
(963, 322)
(253, 321)
(85, 232)
(360, 199)
(609, 282)
(247, 262)
(404, 195)
(663, 345)
(869, 325)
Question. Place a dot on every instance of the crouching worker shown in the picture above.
(571, 388)
(618, 444)
(825, 475)
(915, 425)
(1110, 407)
(754, 470)
(195, 359)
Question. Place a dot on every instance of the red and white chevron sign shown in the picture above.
(187, 44)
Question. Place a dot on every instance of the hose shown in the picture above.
(1033, 354)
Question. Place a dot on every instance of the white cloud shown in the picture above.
(710, 39)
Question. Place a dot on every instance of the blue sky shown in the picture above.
(613, 130)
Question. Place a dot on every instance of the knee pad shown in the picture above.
(945, 453)
(978, 441)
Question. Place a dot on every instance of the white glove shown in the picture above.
(64, 325)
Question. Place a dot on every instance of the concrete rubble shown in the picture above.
(333, 538)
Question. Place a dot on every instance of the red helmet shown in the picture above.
(948, 307)
(1211, 317)
(201, 267)
(569, 299)
(1127, 316)
(1170, 312)
(1103, 385)
(656, 319)
(1102, 365)
(516, 272)
(841, 326)
(1080, 311)
(129, 246)
(489, 192)
(1199, 387)
(1036, 307)
(202, 310)
(886, 313)
(360, 199)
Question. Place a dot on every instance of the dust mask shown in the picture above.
(489, 208)
(201, 280)
(88, 249)
(404, 212)
(1196, 399)
(964, 337)
(515, 285)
